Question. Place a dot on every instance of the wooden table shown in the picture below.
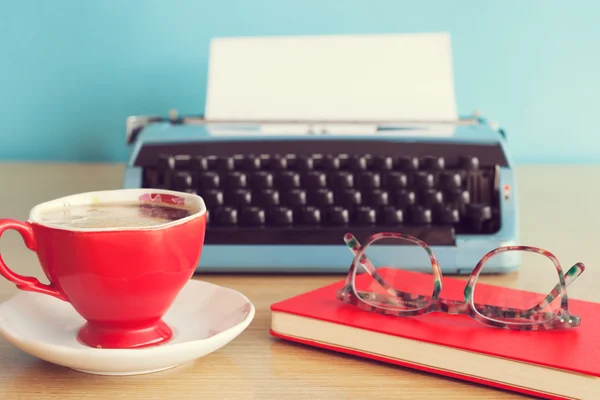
(558, 210)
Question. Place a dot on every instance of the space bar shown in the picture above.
(299, 235)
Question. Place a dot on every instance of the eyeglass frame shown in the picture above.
(433, 303)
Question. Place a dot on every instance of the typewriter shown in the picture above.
(281, 193)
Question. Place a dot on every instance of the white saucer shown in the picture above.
(204, 318)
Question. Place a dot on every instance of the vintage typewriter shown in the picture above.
(281, 193)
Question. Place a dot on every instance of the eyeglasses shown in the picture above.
(384, 289)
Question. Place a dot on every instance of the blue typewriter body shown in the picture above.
(397, 171)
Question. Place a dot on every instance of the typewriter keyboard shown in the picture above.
(314, 197)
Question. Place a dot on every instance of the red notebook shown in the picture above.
(555, 364)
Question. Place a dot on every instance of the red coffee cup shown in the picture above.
(120, 280)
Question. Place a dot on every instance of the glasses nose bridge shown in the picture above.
(453, 307)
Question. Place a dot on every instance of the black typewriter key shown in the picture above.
(357, 163)
(431, 163)
(423, 180)
(321, 197)
(277, 162)
(369, 180)
(365, 216)
(264, 160)
(450, 180)
(212, 198)
(182, 161)
(431, 197)
(304, 163)
(308, 216)
(342, 180)
(458, 197)
(446, 215)
(329, 162)
(181, 180)
(478, 211)
(420, 215)
(407, 163)
(239, 197)
(209, 180)
(212, 162)
(239, 161)
(225, 164)
(225, 216)
(391, 215)
(165, 163)
(377, 198)
(338, 216)
(266, 198)
(314, 180)
(261, 180)
(251, 163)
(344, 160)
(252, 216)
(287, 180)
(477, 214)
(404, 198)
(236, 180)
(468, 162)
(395, 180)
(280, 216)
(349, 198)
(294, 198)
(383, 163)
(199, 164)
(290, 161)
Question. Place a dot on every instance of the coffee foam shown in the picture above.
(75, 205)
(117, 215)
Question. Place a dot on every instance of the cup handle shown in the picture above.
(27, 283)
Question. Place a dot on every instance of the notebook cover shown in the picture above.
(576, 349)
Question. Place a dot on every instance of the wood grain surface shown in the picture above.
(558, 211)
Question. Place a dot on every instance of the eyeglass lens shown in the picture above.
(528, 304)
(387, 287)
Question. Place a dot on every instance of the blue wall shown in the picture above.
(71, 71)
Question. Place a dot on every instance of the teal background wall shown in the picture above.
(71, 71)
